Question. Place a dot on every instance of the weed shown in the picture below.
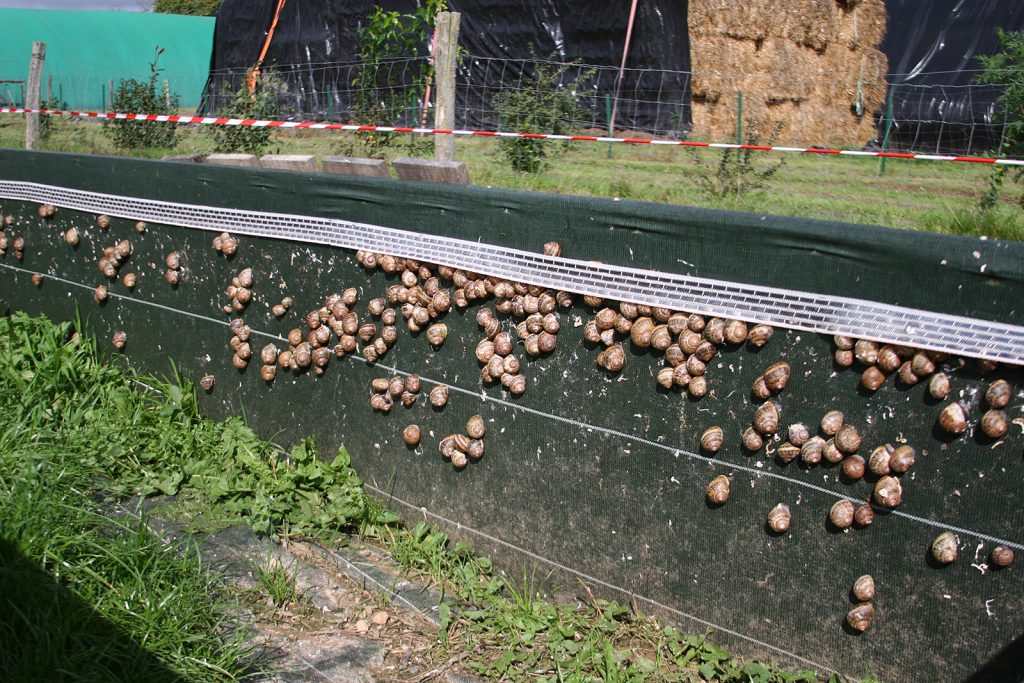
(135, 96)
(737, 172)
(276, 582)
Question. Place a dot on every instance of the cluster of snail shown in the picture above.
(313, 348)
(239, 343)
(47, 210)
(461, 449)
(388, 390)
(945, 550)
(239, 292)
(881, 360)
(495, 353)
(173, 272)
(225, 244)
(16, 245)
(994, 424)
(862, 614)
(280, 309)
(113, 257)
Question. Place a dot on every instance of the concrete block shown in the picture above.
(246, 160)
(431, 171)
(290, 162)
(187, 158)
(368, 168)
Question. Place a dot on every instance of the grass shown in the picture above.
(916, 195)
(115, 605)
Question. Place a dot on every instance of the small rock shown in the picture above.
(362, 626)
(380, 617)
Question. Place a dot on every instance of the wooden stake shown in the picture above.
(35, 75)
(447, 31)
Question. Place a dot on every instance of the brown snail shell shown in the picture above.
(674, 355)
(439, 396)
(459, 460)
(614, 358)
(718, 490)
(777, 375)
(759, 335)
(922, 365)
(119, 340)
(207, 382)
(714, 331)
(811, 452)
(902, 459)
(1002, 556)
(906, 374)
(760, 389)
(878, 461)
(516, 384)
(864, 588)
(366, 331)
(853, 467)
(268, 373)
(661, 338)
(688, 341)
(711, 440)
(245, 278)
(888, 359)
(437, 333)
(129, 280)
(665, 377)
(485, 350)
(841, 514)
(510, 365)
(766, 418)
(408, 399)
(866, 351)
(502, 344)
(788, 452)
(698, 387)
(396, 385)
(350, 296)
(605, 319)
(864, 515)
(844, 358)
(832, 422)
(696, 322)
(103, 221)
(994, 424)
(860, 617)
(71, 236)
(475, 427)
(269, 354)
(173, 260)
(944, 548)
(888, 492)
(100, 294)
(681, 377)
(411, 436)
(413, 383)
(173, 277)
(676, 322)
(872, 378)
(938, 386)
(389, 335)
(381, 402)
(830, 452)
(140, 227)
(695, 367)
(239, 362)
(953, 419)
(380, 384)
(752, 441)
(735, 331)
(244, 351)
(998, 394)
(798, 434)
(779, 518)
(847, 439)
(37, 279)
(546, 342)
(476, 449)
(705, 351)
(302, 356)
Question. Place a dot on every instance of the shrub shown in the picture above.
(146, 97)
(261, 103)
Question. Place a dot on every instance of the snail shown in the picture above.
(864, 588)
(245, 278)
(688, 342)
(788, 452)
(760, 389)
(872, 378)
(841, 514)
(864, 515)
(674, 356)
(998, 394)
(244, 351)
(944, 548)
(679, 376)
(367, 331)
(1002, 556)
(475, 427)
(381, 402)
(878, 461)
(676, 322)
(847, 439)
(100, 294)
(396, 385)
(860, 617)
(459, 460)
(759, 335)
(705, 351)
(412, 383)
(437, 333)
(207, 382)
(718, 490)
(129, 280)
(408, 399)
(798, 434)
(605, 319)
(735, 331)
(439, 396)
(888, 359)
(37, 279)
(140, 227)
(695, 367)
(712, 438)
(268, 373)
(119, 340)
(269, 354)
(239, 362)
(47, 210)
(123, 249)
(866, 352)
(516, 384)
(902, 459)
(661, 338)
(411, 436)
(906, 374)
(476, 449)
(546, 342)
(766, 418)
(698, 387)
(888, 492)
(994, 424)
(843, 358)
(103, 221)
(853, 467)
(779, 518)
(922, 365)
(830, 452)
(173, 277)
(752, 441)
(510, 366)
(71, 237)
(832, 422)
(173, 260)
(350, 296)
(501, 344)
(953, 419)
(696, 322)
(938, 386)
(776, 376)
(714, 331)
(811, 451)
(612, 359)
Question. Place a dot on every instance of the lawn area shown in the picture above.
(917, 195)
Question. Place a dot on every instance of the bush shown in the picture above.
(545, 103)
(262, 103)
(132, 96)
(737, 171)
(1007, 68)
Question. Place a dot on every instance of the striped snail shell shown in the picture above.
(439, 396)
(788, 452)
(832, 422)
(853, 467)
(810, 452)
(860, 617)
(698, 387)
(938, 386)
(711, 440)
(779, 518)
(953, 419)
(777, 376)
(718, 490)
(998, 394)
(665, 377)
(475, 427)
(766, 418)
(847, 439)
(759, 335)
(878, 461)
(1002, 556)
(888, 492)
(994, 424)
(902, 459)
(841, 514)
(752, 441)
(944, 548)
(798, 434)
(864, 588)
(864, 515)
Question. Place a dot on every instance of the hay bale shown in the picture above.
(797, 63)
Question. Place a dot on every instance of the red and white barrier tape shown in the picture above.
(259, 123)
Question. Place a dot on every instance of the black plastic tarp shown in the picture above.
(315, 47)
(932, 47)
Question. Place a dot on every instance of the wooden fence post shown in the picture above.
(35, 75)
(445, 57)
